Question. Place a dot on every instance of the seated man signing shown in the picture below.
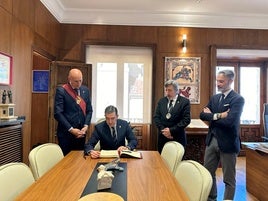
(111, 134)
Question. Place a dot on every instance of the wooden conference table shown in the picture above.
(147, 179)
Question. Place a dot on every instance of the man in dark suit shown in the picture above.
(73, 111)
(223, 143)
(172, 116)
(112, 134)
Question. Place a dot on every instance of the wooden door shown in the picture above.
(59, 72)
(39, 105)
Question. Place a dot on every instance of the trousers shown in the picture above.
(213, 156)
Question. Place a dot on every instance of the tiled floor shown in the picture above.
(241, 194)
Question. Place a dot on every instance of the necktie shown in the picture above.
(170, 105)
(221, 99)
(77, 91)
(114, 135)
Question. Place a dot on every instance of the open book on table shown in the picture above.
(123, 154)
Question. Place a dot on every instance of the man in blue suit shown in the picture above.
(73, 111)
(223, 143)
(111, 134)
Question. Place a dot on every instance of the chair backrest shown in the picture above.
(172, 153)
(14, 179)
(195, 179)
(43, 158)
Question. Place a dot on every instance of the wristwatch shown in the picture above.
(218, 115)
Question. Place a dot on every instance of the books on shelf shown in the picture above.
(123, 154)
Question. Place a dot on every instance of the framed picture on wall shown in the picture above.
(186, 71)
(40, 81)
(5, 69)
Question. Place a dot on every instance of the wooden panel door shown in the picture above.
(59, 72)
(39, 106)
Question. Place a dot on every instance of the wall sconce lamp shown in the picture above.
(184, 38)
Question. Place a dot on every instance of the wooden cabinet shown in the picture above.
(10, 141)
(195, 148)
(256, 172)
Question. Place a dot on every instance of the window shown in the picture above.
(248, 78)
(121, 76)
(250, 90)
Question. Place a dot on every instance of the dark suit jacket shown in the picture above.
(68, 113)
(102, 133)
(180, 118)
(225, 130)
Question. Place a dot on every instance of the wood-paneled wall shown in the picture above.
(167, 41)
(28, 24)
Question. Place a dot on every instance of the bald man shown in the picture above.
(73, 111)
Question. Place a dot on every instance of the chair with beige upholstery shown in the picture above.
(195, 179)
(172, 153)
(14, 179)
(44, 157)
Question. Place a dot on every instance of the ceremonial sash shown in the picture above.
(78, 99)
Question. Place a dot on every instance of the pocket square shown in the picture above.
(225, 105)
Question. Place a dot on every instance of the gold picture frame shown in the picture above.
(186, 71)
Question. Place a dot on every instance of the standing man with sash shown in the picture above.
(73, 111)
(172, 116)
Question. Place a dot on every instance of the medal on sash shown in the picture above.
(78, 100)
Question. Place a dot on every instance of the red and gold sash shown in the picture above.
(79, 100)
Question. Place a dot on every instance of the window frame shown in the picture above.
(237, 64)
(153, 49)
